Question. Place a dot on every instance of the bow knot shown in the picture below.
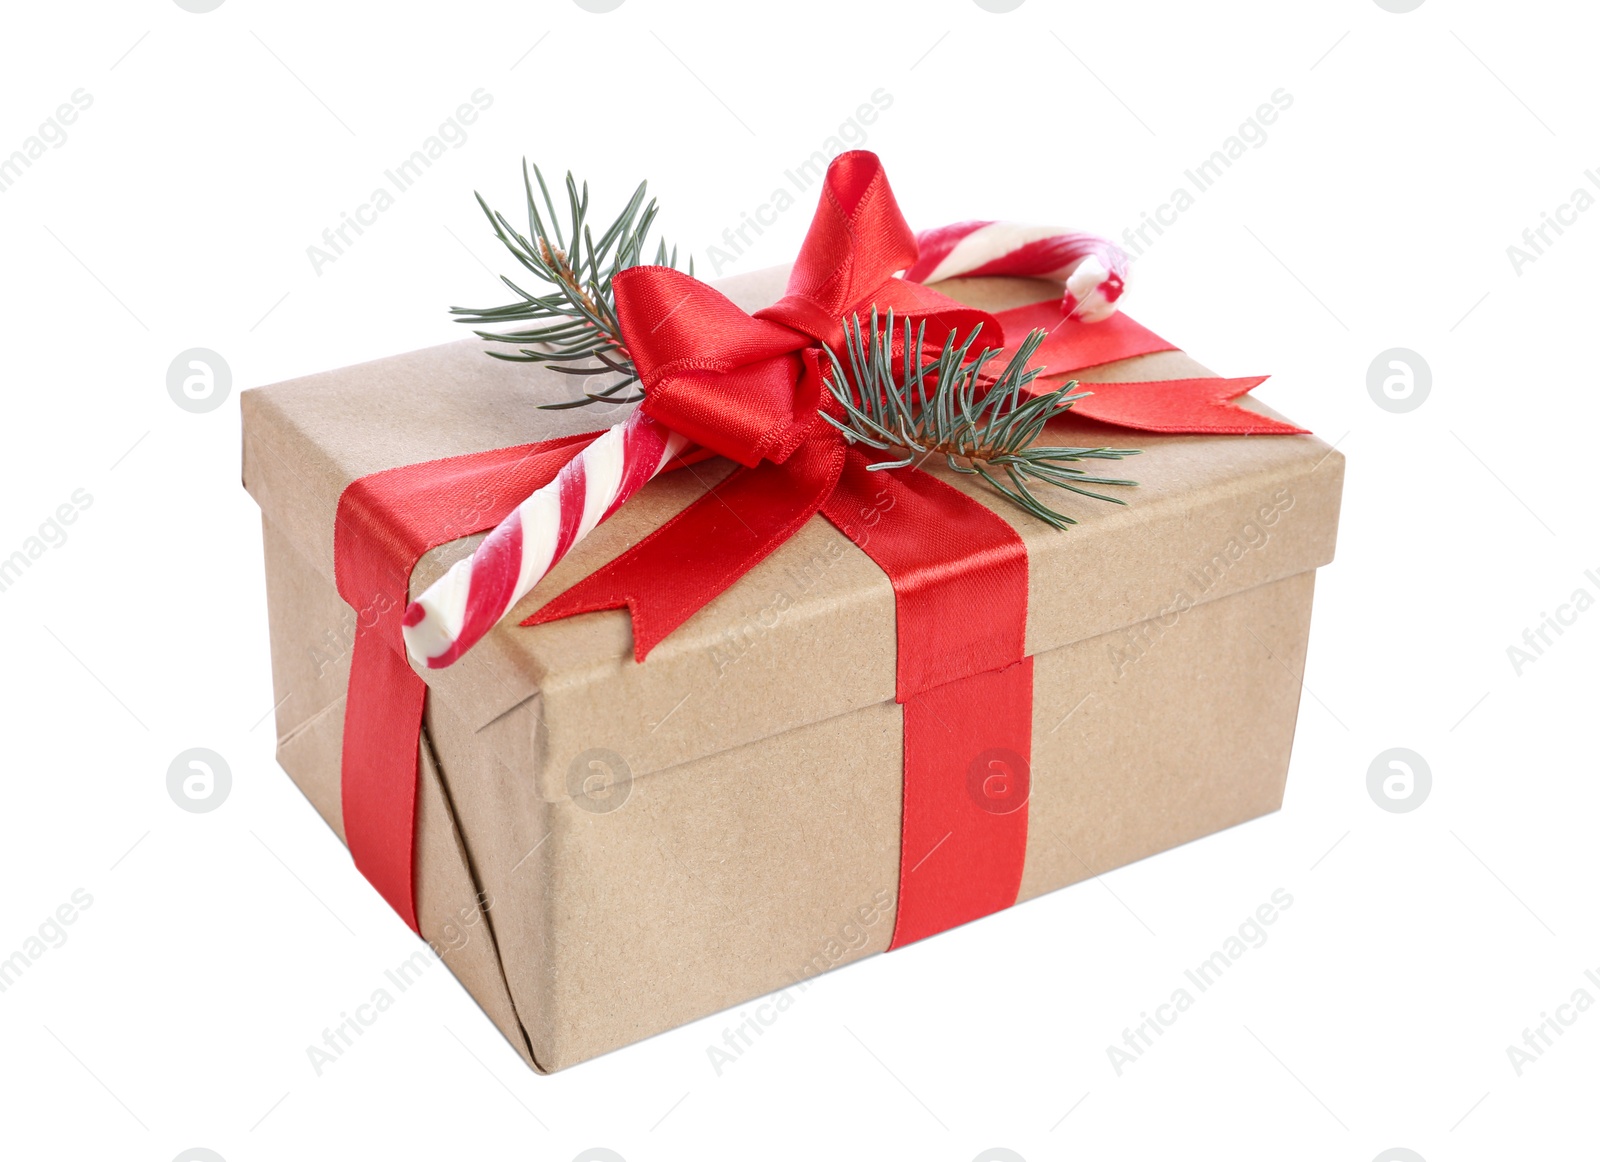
(750, 387)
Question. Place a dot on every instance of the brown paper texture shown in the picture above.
(759, 822)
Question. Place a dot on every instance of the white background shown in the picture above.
(1377, 214)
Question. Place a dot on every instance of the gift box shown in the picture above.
(606, 848)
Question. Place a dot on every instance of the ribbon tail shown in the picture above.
(681, 567)
(1193, 406)
(1071, 344)
(1200, 406)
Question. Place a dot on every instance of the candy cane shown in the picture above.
(466, 603)
(1094, 269)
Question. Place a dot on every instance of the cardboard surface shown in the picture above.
(757, 835)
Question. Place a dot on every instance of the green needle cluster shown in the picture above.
(948, 406)
(578, 333)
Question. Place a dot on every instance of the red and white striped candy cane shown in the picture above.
(1094, 269)
(466, 603)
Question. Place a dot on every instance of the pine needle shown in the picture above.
(946, 407)
(578, 332)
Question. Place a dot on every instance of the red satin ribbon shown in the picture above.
(751, 388)
(385, 522)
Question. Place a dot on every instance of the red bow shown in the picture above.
(751, 388)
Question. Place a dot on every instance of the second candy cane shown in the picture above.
(458, 609)
(1095, 271)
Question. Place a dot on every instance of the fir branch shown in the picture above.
(941, 407)
(577, 332)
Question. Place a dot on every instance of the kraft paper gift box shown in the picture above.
(607, 849)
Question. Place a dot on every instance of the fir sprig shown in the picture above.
(946, 407)
(578, 332)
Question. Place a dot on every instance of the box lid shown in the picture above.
(809, 633)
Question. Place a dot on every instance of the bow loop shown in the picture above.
(750, 387)
(858, 238)
(673, 322)
(724, 380)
